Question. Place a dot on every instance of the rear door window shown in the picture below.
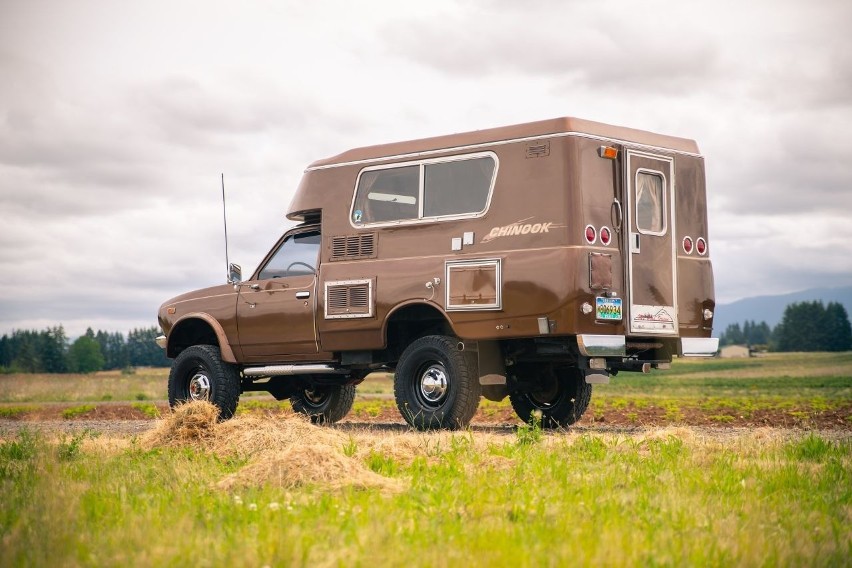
(650, 202)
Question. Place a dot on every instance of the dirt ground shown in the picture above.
(127, 418)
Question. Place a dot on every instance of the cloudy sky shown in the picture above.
(117, 118)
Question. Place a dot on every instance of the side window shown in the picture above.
(387, 195)
(424, 190)
(650, 203)
(297, 256)
(455, 188)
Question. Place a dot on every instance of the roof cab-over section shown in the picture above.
(308, 200)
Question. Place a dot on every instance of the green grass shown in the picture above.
(79, 410)
(148, 408)
(14, 411)
(671, 498)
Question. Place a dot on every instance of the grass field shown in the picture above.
(325, 497)
(802, 389)
(269, 489)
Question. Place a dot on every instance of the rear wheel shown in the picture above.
(436, 385)
(561, 396)
(324, 404)
(198, 373)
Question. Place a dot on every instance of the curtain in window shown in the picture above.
(649, 203)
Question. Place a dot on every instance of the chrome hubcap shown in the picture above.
(433, 384)
(199, 386)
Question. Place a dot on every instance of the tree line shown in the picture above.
(50, 351)
(806, 326)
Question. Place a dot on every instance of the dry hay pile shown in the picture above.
(401, 448)
(284, 452)
(189, 425)
(310, 464)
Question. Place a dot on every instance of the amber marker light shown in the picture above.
(608, 152)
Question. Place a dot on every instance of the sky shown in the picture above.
(118, 118)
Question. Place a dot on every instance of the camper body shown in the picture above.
(528, 261)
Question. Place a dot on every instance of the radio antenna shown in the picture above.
(225, 221)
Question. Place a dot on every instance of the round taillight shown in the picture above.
(701, 246)
(687, 245)
(591, 234)
(606, 235)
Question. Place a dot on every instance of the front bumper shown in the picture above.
(161, 341)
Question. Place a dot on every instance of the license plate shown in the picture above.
(608, 308)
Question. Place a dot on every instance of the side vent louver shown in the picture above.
(538, 149)
(353, 247)
(349, 299)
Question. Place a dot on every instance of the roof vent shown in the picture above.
(538, 149)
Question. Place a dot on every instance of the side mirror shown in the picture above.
(235, 273)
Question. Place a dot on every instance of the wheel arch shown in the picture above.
(198, 329)
(409, 321)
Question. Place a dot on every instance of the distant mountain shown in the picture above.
(771, 308)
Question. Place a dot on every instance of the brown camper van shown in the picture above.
(529, 261)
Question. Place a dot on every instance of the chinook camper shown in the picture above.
(530, 261)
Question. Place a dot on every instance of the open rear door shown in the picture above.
(651, 266)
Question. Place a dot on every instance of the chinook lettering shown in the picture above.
(519, 228)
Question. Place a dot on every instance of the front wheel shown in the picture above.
(198, 373)
(559, 397)
(324, 404)
(436, 384)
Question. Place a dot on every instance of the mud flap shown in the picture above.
(596, 377)
(492, 370)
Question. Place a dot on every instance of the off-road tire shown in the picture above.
(561, 398)
(436, 385)
(199, 365)
(326, 404)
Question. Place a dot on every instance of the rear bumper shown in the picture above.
(161, 341)
(615, 346)
(602, 345)
(699, 346)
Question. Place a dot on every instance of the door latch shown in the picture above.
(634, 243)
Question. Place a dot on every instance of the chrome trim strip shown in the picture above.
(274, 370)
(602, 345)
(699, 346)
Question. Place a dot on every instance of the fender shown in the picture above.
(411, 303)
(224, 345)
